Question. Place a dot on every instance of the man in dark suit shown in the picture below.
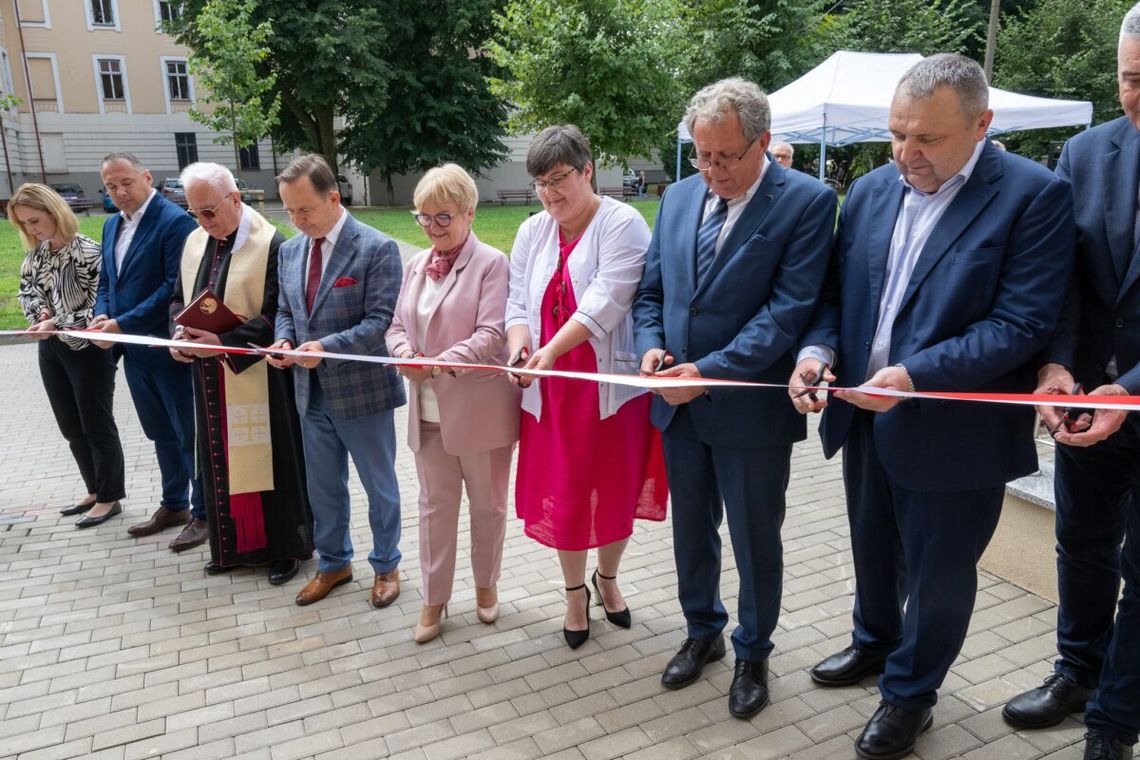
(948, 274)
(339, 282)
(1098, 460)
(737, 258)
(142, 250)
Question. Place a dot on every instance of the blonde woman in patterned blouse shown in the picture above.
(57, 290)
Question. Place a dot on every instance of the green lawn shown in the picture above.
(495, 225)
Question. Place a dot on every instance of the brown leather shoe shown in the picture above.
(322, 583)
(162, 519)
(386, 588)
(194, 534)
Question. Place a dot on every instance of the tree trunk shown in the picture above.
(237, 149)
(327, 137)
(991, 39)
(391, 189)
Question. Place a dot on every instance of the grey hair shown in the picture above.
(1131, 26)
(961, 74)
(555, 146)
(215, 175)
(781, 144)
(736, 95)
(130, 158)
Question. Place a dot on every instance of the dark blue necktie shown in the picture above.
(707, 236)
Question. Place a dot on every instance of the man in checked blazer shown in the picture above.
(339, 282)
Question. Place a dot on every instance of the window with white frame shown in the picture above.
(178, 80)
(102, 12)
(169, 10)
(111, 79)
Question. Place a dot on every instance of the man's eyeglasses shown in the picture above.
(725, 162)
(206, 213)
(425, 220)
(552, 183)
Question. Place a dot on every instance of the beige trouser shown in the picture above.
(486, 475)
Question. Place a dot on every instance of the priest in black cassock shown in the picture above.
(249, 454)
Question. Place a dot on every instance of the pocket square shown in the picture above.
(344, 282)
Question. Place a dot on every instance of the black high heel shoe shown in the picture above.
(621, 618)
(576, 639)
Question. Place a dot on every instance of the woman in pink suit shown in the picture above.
(589, 459)
(462, 425)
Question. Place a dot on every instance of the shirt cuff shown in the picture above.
(824, 354)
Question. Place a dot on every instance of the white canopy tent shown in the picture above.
(846, 100)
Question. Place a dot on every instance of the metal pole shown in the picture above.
(823, 150)
(31, 97)
(677, 176)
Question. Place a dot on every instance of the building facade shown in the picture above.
(96, 76)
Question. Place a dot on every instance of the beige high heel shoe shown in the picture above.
(487, 615)
(425, 633)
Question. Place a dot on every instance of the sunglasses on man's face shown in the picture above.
(206, 213)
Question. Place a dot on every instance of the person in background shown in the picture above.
(462, 426)
(250, 461)
(782, 153)
(589, 460)
(58, 281)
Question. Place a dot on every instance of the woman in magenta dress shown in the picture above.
(589, 459)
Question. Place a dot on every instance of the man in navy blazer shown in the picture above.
(1098, 459)
(948, 274)
(339, 282)
(142, 250)
(737, 258)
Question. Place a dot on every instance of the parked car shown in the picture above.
(108, 204)
(73, 194)
(171, 189)
(629, 179)
(345, 188)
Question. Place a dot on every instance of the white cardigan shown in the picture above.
(605, 270)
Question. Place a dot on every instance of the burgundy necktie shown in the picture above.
(314, 280)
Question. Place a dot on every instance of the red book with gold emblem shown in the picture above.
(207, 312)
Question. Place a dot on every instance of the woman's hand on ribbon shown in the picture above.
(416, 373)
(43, 329)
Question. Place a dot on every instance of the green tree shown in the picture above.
(244, 105)
(606, 65)
(1061, 49)
(328, 59)
(906, 26)
(442, 106)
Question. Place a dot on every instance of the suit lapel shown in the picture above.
(461, 262)
(980, 188)
(690, 222)
(114, 224)
(339, 261)
(886, 203)
(754, 214)
(1120, 205)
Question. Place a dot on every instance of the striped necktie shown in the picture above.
(707, 236)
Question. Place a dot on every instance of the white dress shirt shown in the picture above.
(736, 205)
(327, 247)
(127, 230)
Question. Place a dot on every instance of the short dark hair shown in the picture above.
(560, 144)
(313, 166)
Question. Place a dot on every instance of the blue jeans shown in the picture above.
(371, 440)
(1097, 509)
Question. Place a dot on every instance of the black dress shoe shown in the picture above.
(213, 568)
(892, 732)
(1048, 704)
(1101, 747)
(748, 694)
(621, 618)
(848, 667)
(686, 666)
(90, 522)
(282, 570)
(575, 639)
(76, 509)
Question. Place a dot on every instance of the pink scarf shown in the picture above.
(442, 261)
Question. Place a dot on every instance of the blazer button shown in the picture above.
(867, 344)
(693, 311)
(1119, 323)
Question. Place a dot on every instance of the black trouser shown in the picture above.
(81, 388)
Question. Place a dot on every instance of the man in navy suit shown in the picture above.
(948, 273)
(737, 258)
(1098, 459)
(339, 282)
(142, 250)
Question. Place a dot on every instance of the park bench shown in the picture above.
(623, 193)
(519, 194)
